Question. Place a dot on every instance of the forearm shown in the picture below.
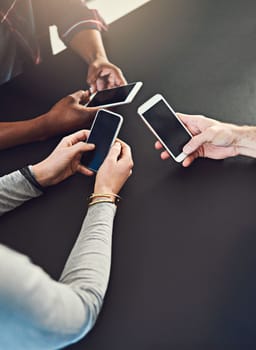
(88, 267)
(54, 314)
(15, 189)
(245, 140)
(21, 132)
(88, 44)
(70, 308)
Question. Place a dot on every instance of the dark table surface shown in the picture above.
(184, 262)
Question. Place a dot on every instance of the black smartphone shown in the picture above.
(104, 131)
(116, 96)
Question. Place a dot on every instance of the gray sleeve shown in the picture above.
(45, 314)
(15, 189)
(88, 266)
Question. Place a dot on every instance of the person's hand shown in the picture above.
(68, 115)
(211, 139)
(115, 170)
(64, 161)
(104, 75)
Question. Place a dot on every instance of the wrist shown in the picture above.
(104, 197)
(95, 197)
(42, 125)
(28, 173)
(42, 175)
(104, 189)
(245, 140)
(97, 57)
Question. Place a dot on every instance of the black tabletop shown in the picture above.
(183, 269)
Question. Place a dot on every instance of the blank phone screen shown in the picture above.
(167, 127)
(102, 135)
(109, 96)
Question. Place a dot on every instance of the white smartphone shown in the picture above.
(161, 119)
(104, 131)
(114, 97)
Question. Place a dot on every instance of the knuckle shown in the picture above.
(94, 64)
(131, 164)
(214, 130)
(70, 98)
(65, 138)
(110, 160)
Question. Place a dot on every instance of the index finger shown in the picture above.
(115, 151)
(120, 79)
(190, 120)
(158, 145)
(89, 109)
(165, 155)
(125, 151)
(76, 137)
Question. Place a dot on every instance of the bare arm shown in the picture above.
(65, 116)
(17, 133)
(246, 140)
(102, 74)
(88, 44)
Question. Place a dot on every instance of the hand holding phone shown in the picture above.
(103, 133)
(161, 119)
(115, 170)
(114, 97)
(64, 160)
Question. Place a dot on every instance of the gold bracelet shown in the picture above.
(110, 196)
(101, 201)
(94, 195)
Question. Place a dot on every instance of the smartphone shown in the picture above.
(104, 131)
(165, 125)
(114, 97)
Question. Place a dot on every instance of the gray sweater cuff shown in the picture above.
(15, 189)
